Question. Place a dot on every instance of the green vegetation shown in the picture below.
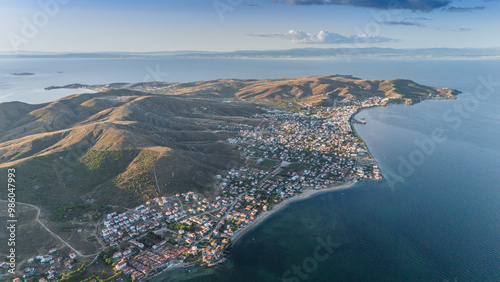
(99, 160)
(192, 258)
(76, 275)
(150, 239)
(81, 274)
(99, 279)
(407, 88)
(103, 165)
(386, 86)
(68, 174)
(268, 163)
(286, 105)
(104, 209)
(180, 226)
(68, 211)
(75, 168)
(107, 254)
(138, 180)
(295, 167)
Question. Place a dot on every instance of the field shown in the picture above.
(268, 164)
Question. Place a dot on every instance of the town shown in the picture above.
(314, 148)
(292, 152)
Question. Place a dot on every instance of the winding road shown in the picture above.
(50, 231)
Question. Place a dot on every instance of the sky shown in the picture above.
(227, 25)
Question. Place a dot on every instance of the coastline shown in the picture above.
(169, 268)
(353, 129)
(307, 193)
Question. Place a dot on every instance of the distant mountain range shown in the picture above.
(374, 52)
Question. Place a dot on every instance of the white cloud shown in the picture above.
(324, 37)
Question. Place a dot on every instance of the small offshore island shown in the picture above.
(22, 73)
(266, 143)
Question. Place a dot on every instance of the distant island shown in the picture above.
(354, 52)
(152, 175)
(69, 86)
(22, 73)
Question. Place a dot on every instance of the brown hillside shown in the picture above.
(177, 136)
(173, 131)
(314, 90)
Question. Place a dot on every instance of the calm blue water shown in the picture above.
(436, 219)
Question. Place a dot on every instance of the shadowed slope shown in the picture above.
(176, 136)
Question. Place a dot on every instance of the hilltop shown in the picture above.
(314, 90)
(102, 147)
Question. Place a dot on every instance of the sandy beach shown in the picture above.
(307, 193)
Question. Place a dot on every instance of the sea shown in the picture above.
(436, 217)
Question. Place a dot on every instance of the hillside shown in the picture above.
(103, 147)
(315, 90)
(106, 147)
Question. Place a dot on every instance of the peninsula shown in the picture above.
(151, 175)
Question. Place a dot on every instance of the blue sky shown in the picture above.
(226, 25)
